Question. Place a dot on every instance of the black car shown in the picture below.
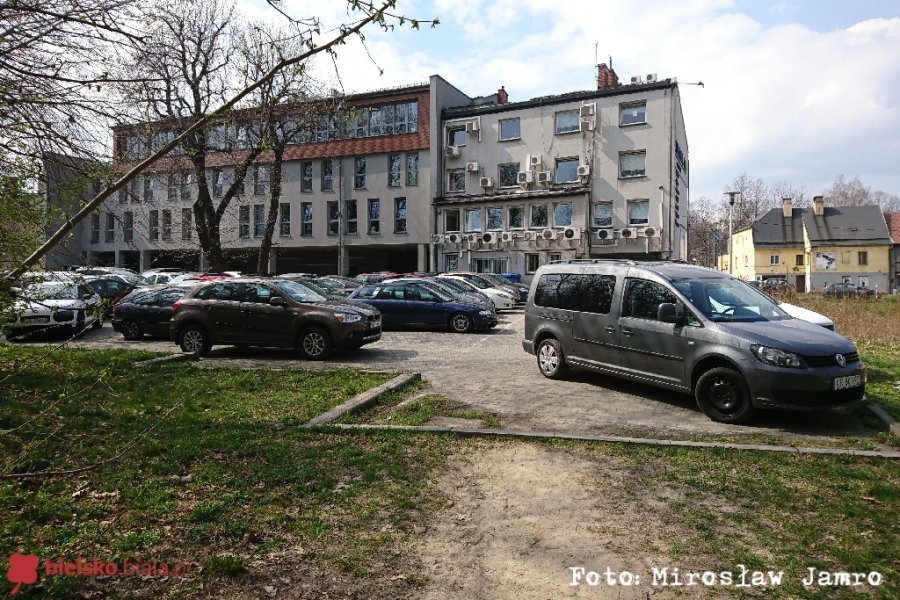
(112, 289)
(146, 310)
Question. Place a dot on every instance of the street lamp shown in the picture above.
(731, 196)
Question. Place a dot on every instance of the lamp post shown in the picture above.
(731, 196)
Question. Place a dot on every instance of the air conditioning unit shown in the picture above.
(437, 239)
(529, 235)
(545, 177)
(607, 242)
(524, 177)
(548, 234)
(651, 232)
(451, 151)
(454, 238)
(587, 110)
(473, 167)
(572, 233)
(587, 125)
(486, 182)
(650, 78)
(626, 233)
(489, 237)
(535, 160)
(605, 234)
(584, 170)
(506, 236)
(635, 79)
(518, 234)
(472, 238)
(471, 126)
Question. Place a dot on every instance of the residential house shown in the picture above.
(892, 220)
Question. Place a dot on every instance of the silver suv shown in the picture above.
(690, 329)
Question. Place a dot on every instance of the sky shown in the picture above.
(798, 92)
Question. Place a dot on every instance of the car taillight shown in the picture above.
(114, 309)
(175, 307)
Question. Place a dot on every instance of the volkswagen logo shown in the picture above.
(841, 361)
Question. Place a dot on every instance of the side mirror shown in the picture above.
(670, 313)
(276, 301)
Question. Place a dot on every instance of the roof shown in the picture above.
(838, 225)
(893, 224)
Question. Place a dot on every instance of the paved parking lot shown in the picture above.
(490, 372)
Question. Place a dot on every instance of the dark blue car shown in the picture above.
(419, 304)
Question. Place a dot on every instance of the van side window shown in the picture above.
(642, 299)
(570, 291)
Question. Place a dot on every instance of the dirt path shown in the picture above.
(521, 515)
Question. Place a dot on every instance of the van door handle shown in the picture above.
(610, 329)
(627, 331)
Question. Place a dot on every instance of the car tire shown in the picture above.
(314, 343)
(195, 340)
(460, 323)
(723, 395)
(550, 358)
(131, 330)
(98, 322)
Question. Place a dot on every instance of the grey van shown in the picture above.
(690, 329)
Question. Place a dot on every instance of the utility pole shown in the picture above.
(731, 196)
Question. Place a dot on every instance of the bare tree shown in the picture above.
(853, 193)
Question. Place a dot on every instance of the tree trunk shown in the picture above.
(262, 260)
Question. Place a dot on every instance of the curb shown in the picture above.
(506, 433)
(171, 358)
(363, 400)
(889, 421)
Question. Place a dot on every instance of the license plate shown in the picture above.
(36, 320)
(851, 381)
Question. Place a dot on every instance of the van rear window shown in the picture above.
(570, 291)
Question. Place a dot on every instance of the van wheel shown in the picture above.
(461, 323)
(550, 359)
(723, 395)
(194, 340)
(314, 343)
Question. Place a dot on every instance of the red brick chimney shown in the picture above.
(606, 77)
(502, 96)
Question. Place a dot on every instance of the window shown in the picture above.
(451, 220)
(862, 257)
(187, 183)
(385, 120)
(359, 173)
(532, 262)
(642, 299)
(306, 216)
(284, 218)
(570, 291)
(167, 225)
(451, 262)
(456, 180)
(638, 212)
(473, 219)
(746, 261)
(244, 222)
(632, 164)
(567, 170)
(603, 214)
(327, 180)
(174, 189)
(538, 216)
(399, 215)
(148, 189)
(562, 214)
(350, 208)
(494, 218)
(799, 260)
(507, 175)
(217, 182)
(509, 129)
(154, 225)
(374, 215)
(456, 136)
(634, 113)
(135, 187)
(110, 228)
(394, 170)
(774, 259)
(490, 265)
(187, 216)
(259, 220)
(258, 293)
(333, 212)
(412, 168)
(260, 180)
(567, 121)
(306, 176)
(516, 217)
(95, 228)
(555, 256)
(128, 227)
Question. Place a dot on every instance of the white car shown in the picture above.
(501, 300)
(49, 305)
(804, 314)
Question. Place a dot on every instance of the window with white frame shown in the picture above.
(374, 215)
(567, 170)
(148, 188)
(633, 113)
(284, 218)
(327, 179)
(333, 212)
(567, 121)
(538, 216)
(218, 181)
(259, 220)
(359, 173)
(473, 219)
(306, 219)
(244, 222)
(532, 263)
(774, 259)
(603, 214)
(306, 176)
(451, 220)
(507, 175)
(154, 225)
(187, 227)
(187, 185)
(95, 228)
(638, 212)
(562, 214)
(399, 215)
(412, 169)
(494, 218)
(456, 136)
(174, 187)
(510, 129)
(128, 226)
(632, 164)
(110, 228)
(351, 217)
(456, 181)
(167, 225)
(516, 217)
(260, 180)
(394, 170)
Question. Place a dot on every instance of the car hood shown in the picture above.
(352, 306)
(467, 298)
(798, 312)
(47, 306)
(792, 335)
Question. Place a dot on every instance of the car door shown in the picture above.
(391, 301)
(423, 306)
(651, 348)
(221, 304)
(261, 322)
(595, 330)
(156, 312)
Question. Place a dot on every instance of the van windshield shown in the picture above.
(722, 299)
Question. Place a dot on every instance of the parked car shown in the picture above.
(690, 329)
(520, 288)
(463, 287)
(404, 304)
(375, 277)
(501, 300)
(270, 312)
(774, 285)
(848, 290)
(461, 294)
(480, 280)
(339, 286)
(53, 306)
(158, 278)
(146, 311)
(111, 288)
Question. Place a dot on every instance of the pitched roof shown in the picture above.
(839, 225)
(774, 229)
(893, 225)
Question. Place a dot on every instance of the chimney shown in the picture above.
(502, 96)
(818, 206)
(606, 77)
(787, 207)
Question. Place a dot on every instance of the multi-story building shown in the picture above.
(600, 173)
(812, 247)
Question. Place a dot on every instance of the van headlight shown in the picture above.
(776, 357)
(348, 317)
